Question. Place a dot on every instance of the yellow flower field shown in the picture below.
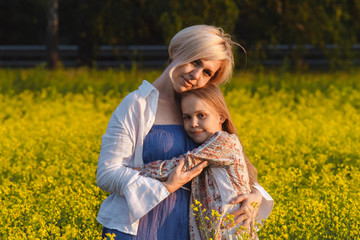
(301, 131)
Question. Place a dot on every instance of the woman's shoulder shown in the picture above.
(140, 95)
(144, 90)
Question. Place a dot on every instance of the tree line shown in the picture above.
(253, 23)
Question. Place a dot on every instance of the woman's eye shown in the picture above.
(196, 62)
(207, 73)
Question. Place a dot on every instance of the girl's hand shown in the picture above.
(177, 177)
(246, 213)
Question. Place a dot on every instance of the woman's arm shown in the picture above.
(247, 213)
(178, 177)
(173, 173)
(118, 152)
(118, 155)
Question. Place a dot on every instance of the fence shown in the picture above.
(106, 56)
(155, 55)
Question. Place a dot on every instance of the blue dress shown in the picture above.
(170, 218)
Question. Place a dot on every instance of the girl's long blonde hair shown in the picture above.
(212, 95)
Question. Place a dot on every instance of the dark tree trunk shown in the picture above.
(85, 38)
(52, 34)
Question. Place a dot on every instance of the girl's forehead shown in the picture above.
(191, 98)
(194, 102)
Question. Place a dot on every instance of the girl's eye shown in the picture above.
(201, 115)
(186, 117)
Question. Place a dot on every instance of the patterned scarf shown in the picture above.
(221, 150)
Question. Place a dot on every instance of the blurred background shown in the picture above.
(111, 33)
(66, 65)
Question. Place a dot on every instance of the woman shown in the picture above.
(147, 126)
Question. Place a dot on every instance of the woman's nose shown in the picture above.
(195, 74)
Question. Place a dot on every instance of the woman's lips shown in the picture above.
(187, 82)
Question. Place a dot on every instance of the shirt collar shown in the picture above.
(146, 88)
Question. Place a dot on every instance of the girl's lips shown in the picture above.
(197, 132)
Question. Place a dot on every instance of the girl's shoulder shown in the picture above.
(225, 136)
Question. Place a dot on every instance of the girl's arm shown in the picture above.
(216, 151)
(160, 169)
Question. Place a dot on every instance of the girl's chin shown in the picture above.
(199, 140)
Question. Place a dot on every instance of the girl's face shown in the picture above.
(200, 120)
(194, 74)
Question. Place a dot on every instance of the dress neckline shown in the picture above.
(165, 125)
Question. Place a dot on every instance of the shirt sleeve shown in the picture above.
(115, 173)
(266, 205)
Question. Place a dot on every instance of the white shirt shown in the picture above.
(132, 195)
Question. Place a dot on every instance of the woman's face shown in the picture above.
(200, 120)
(194, 74)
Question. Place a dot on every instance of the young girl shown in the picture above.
(229, 173)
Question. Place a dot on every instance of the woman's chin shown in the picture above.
(181, 89)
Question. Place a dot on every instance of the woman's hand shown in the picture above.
(177, 177)
(246, 213)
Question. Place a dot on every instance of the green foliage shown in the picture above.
(301, 131)
(299, 23)
(181, 14)
(27, 26)
(256, 24)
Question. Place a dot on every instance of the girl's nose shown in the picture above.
(194, 123)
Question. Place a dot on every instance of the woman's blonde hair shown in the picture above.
(203, 42)
(212, 96)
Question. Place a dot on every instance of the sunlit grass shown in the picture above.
(301, 131)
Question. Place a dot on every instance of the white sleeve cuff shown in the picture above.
(144, 195)
(266, 205)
